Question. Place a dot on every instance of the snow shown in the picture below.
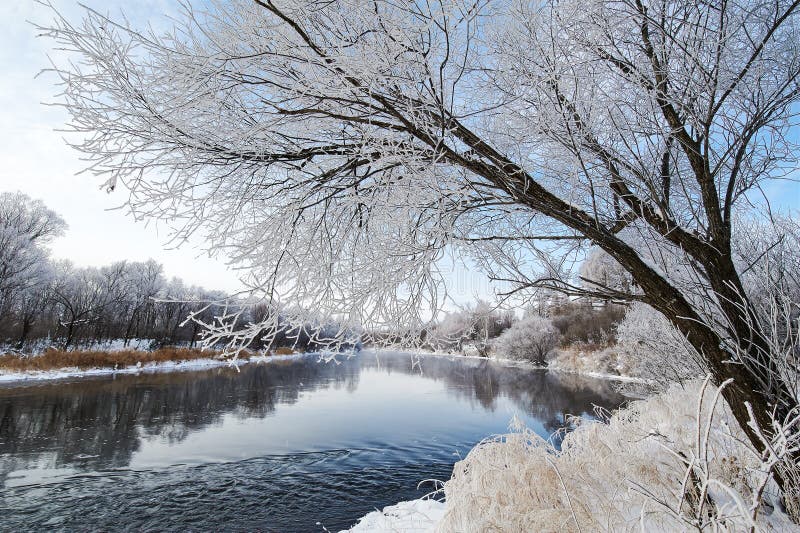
(600, 375)
(415, 516)
(167, 366)
(452, 356)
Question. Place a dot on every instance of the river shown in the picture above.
(284, 446)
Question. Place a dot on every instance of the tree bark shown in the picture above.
(27, 322)
(768, 395)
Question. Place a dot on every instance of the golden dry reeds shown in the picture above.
(84, 359)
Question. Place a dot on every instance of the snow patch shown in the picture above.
(415, 516)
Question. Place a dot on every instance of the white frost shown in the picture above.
(415, 516)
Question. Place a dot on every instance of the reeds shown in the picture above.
(53, 359)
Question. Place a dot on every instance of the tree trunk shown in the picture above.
(767, 394)
(27, 322)
(70, 333)
(745, 389)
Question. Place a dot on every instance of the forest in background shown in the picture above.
(49, 303)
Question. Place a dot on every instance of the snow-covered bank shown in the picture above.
(167, 366)
(111, 345)
(599, 375)
(587, 370)
(676, 461)
(415, 516)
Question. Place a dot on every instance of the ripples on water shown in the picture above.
(276, 447)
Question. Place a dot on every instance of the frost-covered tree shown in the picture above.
(80, 294)
(145, 282)
(26, 227)
(530, 339)
(34, 302)
(656, 349)
(338, 150)
(601, 271)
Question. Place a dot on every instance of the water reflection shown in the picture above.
(357, 435)
(102, 422)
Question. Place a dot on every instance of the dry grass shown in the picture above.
(283, 350)
(602, 359)
(611, 476)
(85, 359)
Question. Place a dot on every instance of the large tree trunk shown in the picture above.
(70, 334)
(746, 388)
(750, 364)
(27, 322)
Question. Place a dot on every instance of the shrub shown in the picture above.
(655, 349)
(579, 322)
(283, 350)
(530, 339)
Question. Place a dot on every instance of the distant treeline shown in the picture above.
(55, 303)
(124, 300)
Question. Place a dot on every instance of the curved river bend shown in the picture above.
(283, 446)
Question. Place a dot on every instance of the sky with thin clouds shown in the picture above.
(37, 161)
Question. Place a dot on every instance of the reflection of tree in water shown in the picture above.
(99, 423)
(104, 419)
(546, 396)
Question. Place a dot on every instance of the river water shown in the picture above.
(284, 446)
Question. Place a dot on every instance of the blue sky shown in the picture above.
(37, 161)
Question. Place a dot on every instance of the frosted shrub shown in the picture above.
(654, 349)
(531, 339)
(610, 361)
(673, 462)
(581, 323)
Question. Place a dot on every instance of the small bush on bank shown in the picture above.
(610, 361)
(531, 339)
(579, 322)
(283, 350)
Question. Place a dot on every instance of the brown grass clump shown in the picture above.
(283, 350)
(84, 359)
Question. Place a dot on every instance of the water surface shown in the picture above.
(283, 446)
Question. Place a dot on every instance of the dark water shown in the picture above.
(284, 446)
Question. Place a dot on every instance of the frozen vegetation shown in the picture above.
(673, 462)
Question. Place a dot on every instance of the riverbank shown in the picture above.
(628, 472)
(582, 365)
(55, 364)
